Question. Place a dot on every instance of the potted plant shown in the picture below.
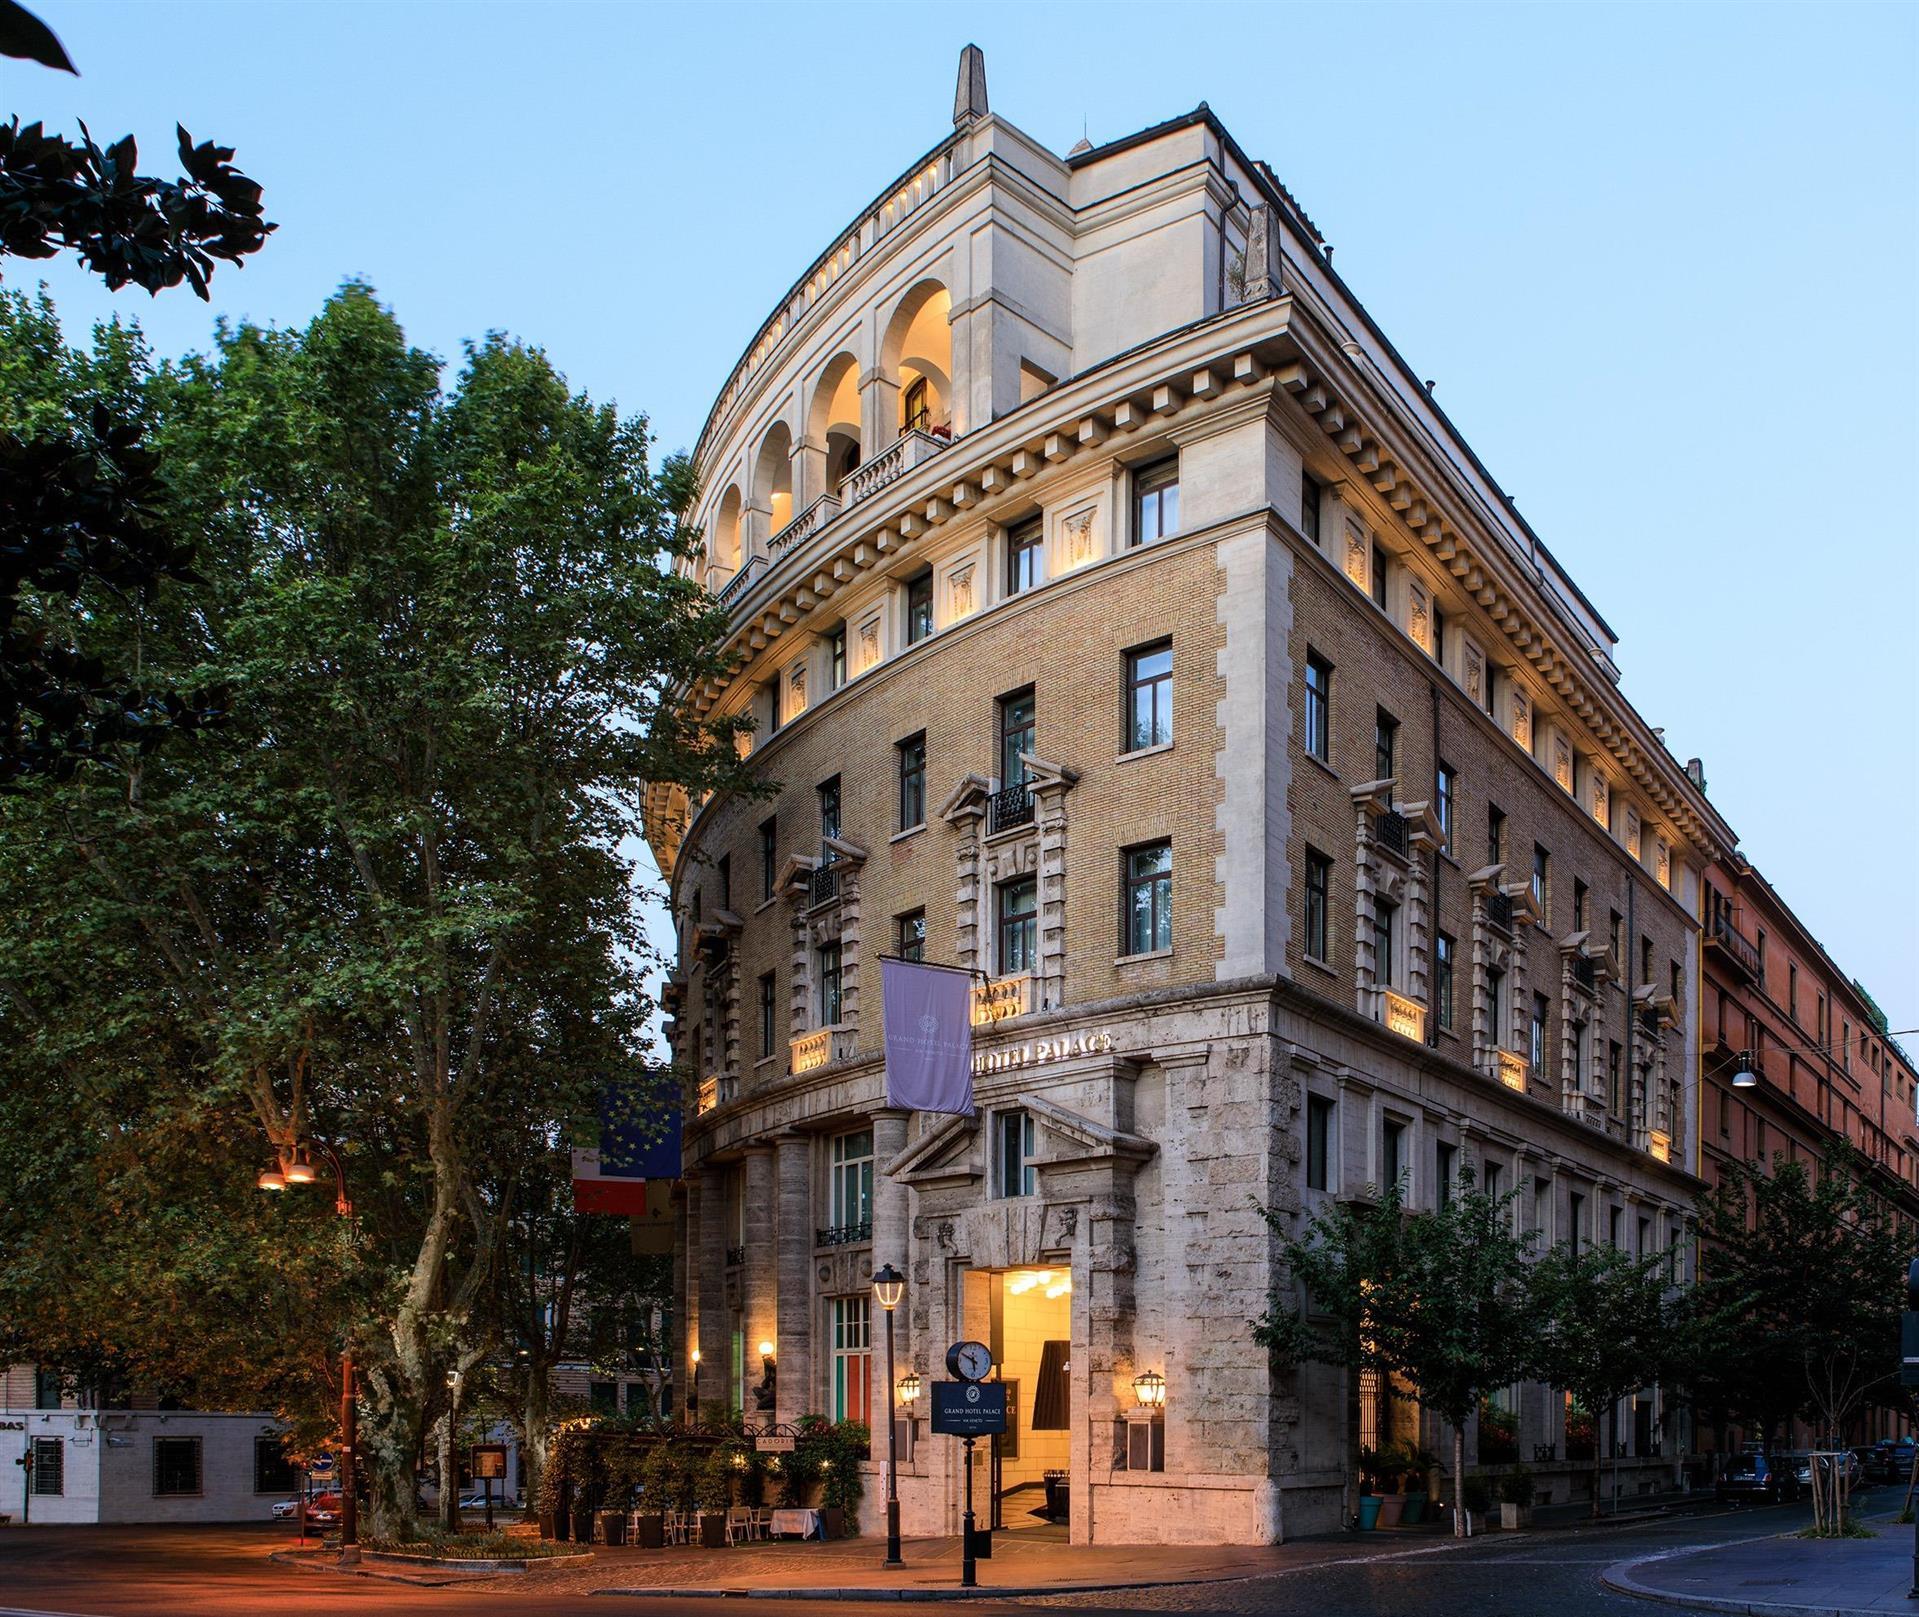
(1517, 1491)
(1422, 1463)
(1476, 1495)
(1371, 1486)
(712, 1493)
(1392, 1461)
(842, 1482)
(657, 1482)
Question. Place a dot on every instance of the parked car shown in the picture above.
(323, 1510)
(1754, 1476)
(1802, 1468)
(1889, 1460)
(285, 1509)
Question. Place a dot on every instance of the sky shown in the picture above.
(1661, 260)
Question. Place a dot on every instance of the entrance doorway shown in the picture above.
(1031, 1338)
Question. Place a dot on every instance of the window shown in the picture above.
(1489, 691)
(1579, 905)
(1149, 696)
(1385, 937)
(1016, 729)
(726, 881)
(1385, 745)
(1445, 951)
(1792, 990)
(1319, 707)
(1439, 637)
(1156, 501)
(1148, 899)
(272, 1470)
(1319, 1142)
(1579, 1056)
(1542, 884)
(1615, 937)
(1491, 1177)
(176, 1466)
(1445, 789)
(603, 1397)
(1645, 1236)
(1024, 548)
(1645, 959)
(1018, 925)
(912, 772)
(769, 857)
(916, 406)
(1319, 883)
(829, 812)
(1496, 1005)
(910, 938)
(829, 984)
(1495, 835)
(49, 1478)
(1725, 1114)
(852, 1378)
(766, 1015)
(1310, 492)
(850, 1197)
(1536, 1051)
(1013, 1171)
(1615, 1078)
(919, 607)
(1575, 1218)
(1445, 1161)
(1392, 1152)
(46, 1389)
(773, 705)
(1379, 577)
(836, 657)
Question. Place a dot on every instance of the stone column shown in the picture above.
(879, 413)
(1051, 896)
(809, 472)
(760, 1291)
(685, 1333)
(795, 1265)
(716, 1359)
(891, 1242)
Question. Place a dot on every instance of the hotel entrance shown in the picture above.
(1025, 1317)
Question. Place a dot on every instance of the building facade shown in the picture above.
(1123, 620)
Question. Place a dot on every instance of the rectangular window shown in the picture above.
(1319, 1142)
(1319, 707)
(1575, 1218)
(49, 1467)
(603, 1397)
(769, 857)
(1792, 990)
(1445, 951)
(1496, 1005)
(767, 1028)
(836, 657)
(1148, 899)
(1579, 905)
(852, 1361)
(829, 984)
(1385, 940)
(1024, 547)
(1018, 926)
(1645, 959)
(1616, 1228)
(46, 1389)
(912, 773)
(1013, 1171)
(919, 607)
(726, 881)
(850, 1200)
(910, 939)
(1445, 790)
(1319, 884)
(1493, 1174)
(1017, 716)
(1536, 1049)
(1579, 1056)
(1445, 1162)
(176, 1466)
(1310, 491)
(829, 812)
(1385, 745)
(1495, 835)
(1156, 501)
(1439, 637)
(1542, 884)
(1616, 938)
(1392, 1153)
(1379, 577)
(272, 1470)
(1149, 696)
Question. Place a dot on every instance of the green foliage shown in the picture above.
(1517, 1487)
(1476, 1494)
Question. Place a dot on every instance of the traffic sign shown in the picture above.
(969, 1408)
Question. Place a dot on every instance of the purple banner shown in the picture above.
(928, 1021)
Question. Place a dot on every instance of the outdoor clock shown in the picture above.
(970, 1361)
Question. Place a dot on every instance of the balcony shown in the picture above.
(714, 1092)
(1659, 1143)
(1002, 998)
(844, 1234)
(812, 1051)
(806, 524)
(737, 585)
(1009, 809)
(1512, 1069)
(1389, 831)
(823, 885)
(735, 1256)
(1585, 974)
(1499, 912)
(1724, 939)
(910, 449)
(1406, 1017)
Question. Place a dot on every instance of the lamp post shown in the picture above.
(889, 1285)
(693, 1408)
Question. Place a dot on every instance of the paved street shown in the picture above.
(174, 1572)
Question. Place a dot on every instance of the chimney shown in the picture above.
(1696, 772)
(969, 94)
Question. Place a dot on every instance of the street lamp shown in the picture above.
(271, 1178)
(693, 1409)
(908, 1387)
(889, 1285)
(1150, 1389)
(1745, 1077)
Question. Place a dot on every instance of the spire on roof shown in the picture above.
(969, 94)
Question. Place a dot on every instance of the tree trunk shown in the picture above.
(1462, 1528)
(533, 1435)
(449, 1506)
(389, 1444)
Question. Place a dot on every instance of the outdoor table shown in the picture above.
(806, 1523)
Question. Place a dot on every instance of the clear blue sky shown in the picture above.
(1663, 262)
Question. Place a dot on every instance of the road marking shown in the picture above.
(23, 1611)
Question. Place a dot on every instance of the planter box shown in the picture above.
(1515, 1516)
(550, 1524)
(652, 1532)
(1390, 1507)
(1414, 1510)
(1368, 1512)
(582, 1525)
(713, 1529)
(833, 1521)
(612, 1526)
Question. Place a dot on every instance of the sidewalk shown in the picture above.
(1786, 1576)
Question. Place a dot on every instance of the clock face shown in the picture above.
(970, 1361)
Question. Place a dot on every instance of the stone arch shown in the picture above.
(773, 477)
(723, 545)
(917, 355)
(833, 421)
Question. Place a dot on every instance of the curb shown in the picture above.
(1619, 1578)
(459, 1570)
(885, 1592)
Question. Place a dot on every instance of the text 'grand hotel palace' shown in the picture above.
(1121, 618)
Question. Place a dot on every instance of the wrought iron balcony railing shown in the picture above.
(844, 1234)
(1732, 946)
(1499, 911)
(1584, 974)
(1011, 807)
(825, 884)
(1389, 830)
(735, 1256)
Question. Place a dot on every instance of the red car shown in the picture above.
(323, 1510)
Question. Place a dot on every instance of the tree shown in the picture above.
(1606, 1322)
(80, 496)
(388, 902)
(1457, 1316)
(1349, 1255)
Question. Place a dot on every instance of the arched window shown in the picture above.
(916, 413)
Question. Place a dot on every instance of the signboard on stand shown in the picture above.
(969, 1408)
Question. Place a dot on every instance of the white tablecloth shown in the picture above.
(806, 1523)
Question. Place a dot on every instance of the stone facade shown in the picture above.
(1011, 339)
